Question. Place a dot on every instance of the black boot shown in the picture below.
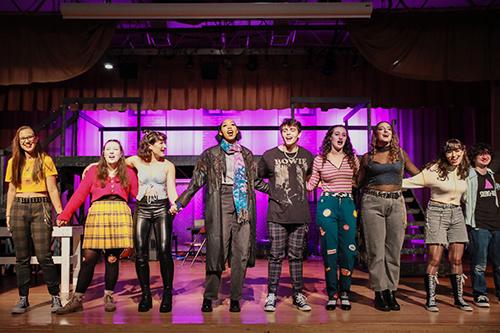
(390, 297)
(234, 306)
(207, 305)
(380, 302)
(431, 283)
(146, 302)
(166, 301)
(457, 283)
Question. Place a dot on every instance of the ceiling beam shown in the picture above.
(162, 11)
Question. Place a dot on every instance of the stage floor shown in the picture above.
(187, 316)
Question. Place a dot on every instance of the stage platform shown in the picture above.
(187, 316)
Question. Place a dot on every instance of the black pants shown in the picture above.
(153, 216)
(112, 268)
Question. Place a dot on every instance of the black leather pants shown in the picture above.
(153, 216)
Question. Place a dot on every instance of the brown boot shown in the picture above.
(75, 304)
(109, 303)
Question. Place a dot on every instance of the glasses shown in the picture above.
(27, 138)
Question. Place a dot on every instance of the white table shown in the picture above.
(67, 257)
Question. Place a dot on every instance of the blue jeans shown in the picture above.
(482, 243)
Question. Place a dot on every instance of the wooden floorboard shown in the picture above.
(187, 316)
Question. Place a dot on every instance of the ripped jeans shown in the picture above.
(482, 243)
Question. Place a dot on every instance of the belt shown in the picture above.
(382, 194)
(337, 194)
(32, 199)
(442, 205)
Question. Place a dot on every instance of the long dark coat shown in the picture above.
(208, 172)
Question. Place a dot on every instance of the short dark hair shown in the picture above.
(478, 149)
(291, 122)
(219, 137)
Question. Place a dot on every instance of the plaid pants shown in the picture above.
(31, 224)
(281, 236)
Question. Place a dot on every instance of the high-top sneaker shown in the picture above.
(345, 304)
(21, 306)
(270, 304)
(457, 283)
(55, 304)
(431, 282)
(300, 301)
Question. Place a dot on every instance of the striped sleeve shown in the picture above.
(313, 181)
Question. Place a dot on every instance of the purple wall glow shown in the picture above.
(194, 142)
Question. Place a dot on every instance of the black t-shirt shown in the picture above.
(287, 175)
(486, 215)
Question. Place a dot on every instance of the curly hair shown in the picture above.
(394, 148)
(149, 138)
(443, 165)
(326, 147)
(19, 159)
(478, 149)
(102, 167)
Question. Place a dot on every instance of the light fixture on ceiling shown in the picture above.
(299, 10)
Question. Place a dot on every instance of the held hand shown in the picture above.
(61, 222)
(173, 210)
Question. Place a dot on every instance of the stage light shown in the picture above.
(108, 65)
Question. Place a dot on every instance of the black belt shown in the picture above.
(382, 194)
(32, 199)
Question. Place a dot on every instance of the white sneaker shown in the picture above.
(482, 301)
(270, 305)
(300, 301)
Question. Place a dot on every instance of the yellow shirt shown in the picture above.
(448, 191)
(27, 183)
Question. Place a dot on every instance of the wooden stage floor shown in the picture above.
(187, 316)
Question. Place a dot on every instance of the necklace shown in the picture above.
(291, 157)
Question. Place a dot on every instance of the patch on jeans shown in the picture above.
(355, 213)
(345, 227)
(352, 247)
(321, 231)
(345, 272)
(331, 251)
(327, 212)
(327, 269)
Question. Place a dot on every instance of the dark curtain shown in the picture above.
(48, 49)
(168, 84)
(460, 46)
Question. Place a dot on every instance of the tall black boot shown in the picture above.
(390, 297)
(457, 283)
(166, 301)
(380, 302)
(431, 282)
(142, 271)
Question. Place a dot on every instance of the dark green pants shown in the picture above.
(336, 218)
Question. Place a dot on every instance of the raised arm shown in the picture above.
(200, 175)
(409, 166)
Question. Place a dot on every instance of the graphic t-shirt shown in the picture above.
(287, 173)
(486, 215)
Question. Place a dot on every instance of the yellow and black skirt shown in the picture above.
(108, 226)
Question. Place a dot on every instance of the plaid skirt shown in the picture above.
(108, 226)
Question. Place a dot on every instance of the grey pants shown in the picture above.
(384, 224)
(236, 239)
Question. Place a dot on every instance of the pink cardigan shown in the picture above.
(91, 185)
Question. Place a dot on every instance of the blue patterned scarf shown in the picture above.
(240, 180)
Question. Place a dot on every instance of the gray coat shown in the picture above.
(208, 172)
